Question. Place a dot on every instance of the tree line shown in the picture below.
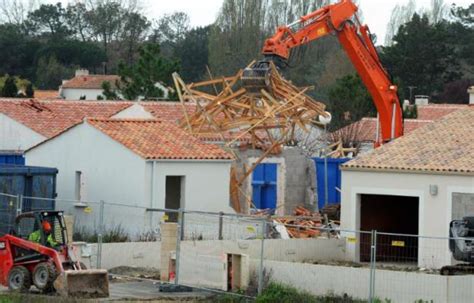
(430, 51)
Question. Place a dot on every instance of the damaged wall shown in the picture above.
(296, 177)
(463, 205)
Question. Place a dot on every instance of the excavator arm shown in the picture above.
(339, 19)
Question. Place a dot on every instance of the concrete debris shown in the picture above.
(305, 224)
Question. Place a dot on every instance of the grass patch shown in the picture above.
(114, 234)
(278, 293)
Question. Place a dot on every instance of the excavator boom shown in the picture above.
(339, 19)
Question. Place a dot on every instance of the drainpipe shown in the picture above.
(152, 191)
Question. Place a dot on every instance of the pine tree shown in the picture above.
(10, 90)
(141, 79)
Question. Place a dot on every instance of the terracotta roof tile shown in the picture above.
(444, 146)
(90, 81)
(49, 118)
(168, 111)
(155, 139)
(46, 94)
(437, 111)
(366, 128)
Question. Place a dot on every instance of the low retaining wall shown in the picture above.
(397, 286)
(147, 254)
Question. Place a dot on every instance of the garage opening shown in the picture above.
(394, 218)
(173, 196)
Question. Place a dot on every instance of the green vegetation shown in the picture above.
(114, 234)
(140, 79)
(431, 49)
(278, 293)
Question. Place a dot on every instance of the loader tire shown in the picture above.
(43, 277)
(19, 279)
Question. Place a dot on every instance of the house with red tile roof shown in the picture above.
(415, 185)
(85, 86)
(364, 131)
(152, 163)
(26, 122)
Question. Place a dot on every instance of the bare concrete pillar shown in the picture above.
(168, 246)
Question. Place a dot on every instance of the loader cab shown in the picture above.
(27, 223)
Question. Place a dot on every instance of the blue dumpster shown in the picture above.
(12, 158)
(334, 180)
(28, 181)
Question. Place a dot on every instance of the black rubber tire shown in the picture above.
(19, 279)
(43, 276)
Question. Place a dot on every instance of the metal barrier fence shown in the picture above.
(226, 252)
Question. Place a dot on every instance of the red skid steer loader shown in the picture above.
(36, 252)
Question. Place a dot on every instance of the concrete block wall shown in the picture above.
(296, 178)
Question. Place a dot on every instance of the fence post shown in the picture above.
(19, 204)
(373, 260)
(178, 245)
(221, 225)
(100, 234)
(260, 268)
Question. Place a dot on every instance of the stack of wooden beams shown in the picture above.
(305, 224)
(337, 150)
(227, 110)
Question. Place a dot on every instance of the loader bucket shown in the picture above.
(93, 283)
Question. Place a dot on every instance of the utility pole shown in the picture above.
(411, 88)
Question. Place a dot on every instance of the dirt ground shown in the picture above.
(117, 274)
(121, 291)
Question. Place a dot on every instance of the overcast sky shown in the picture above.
(203, 12)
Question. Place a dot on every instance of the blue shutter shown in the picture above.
(264, 185)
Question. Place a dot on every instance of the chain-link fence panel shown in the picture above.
(411, 268)
(225, 257)
(10, 206)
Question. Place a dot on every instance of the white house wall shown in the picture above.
(136, 111)
(16, 136)
(206, 184)
(110, 172)
(77, 93)
(435, 212)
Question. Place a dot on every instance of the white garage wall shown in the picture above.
(16, 136)
(435, 211)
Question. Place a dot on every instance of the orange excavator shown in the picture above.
(341, 20)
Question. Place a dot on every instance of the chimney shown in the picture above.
(406, 104)
(82, 72)
(470, 91)
(422, 100)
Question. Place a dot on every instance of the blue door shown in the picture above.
(264, 184)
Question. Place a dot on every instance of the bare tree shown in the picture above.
(16, 11)
(438, 11)
(401, 14)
